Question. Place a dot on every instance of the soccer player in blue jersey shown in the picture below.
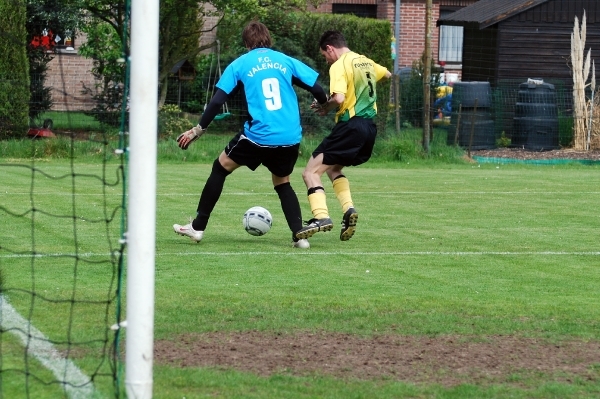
(353, 88)
(272, 134)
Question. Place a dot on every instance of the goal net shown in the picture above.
(63, 173)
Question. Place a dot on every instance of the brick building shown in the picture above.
(69, 74)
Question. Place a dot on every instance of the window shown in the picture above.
(360, 10)
(451, 41)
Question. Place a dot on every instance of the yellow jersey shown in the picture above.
(356, 77)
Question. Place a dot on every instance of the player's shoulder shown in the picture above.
(354, 54)
(275, 54)
(369, 60)
(353, 57)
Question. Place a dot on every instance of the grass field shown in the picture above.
(449, 254)
(71, 121)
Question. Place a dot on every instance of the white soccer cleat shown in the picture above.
(188, 230)
(303, 243)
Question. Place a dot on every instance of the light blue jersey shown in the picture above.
(272, 103)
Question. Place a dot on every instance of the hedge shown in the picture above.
(14, 74)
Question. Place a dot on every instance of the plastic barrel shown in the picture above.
(536, 118)
(479, 123)
(465, 95)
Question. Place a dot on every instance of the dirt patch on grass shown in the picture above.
(448, 360)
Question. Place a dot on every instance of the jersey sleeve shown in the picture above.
(228, 80)
(380, 71)
(337, 79)
(304, 73)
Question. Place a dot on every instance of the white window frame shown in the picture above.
(451, 44)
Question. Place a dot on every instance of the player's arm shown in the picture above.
(332, 103)
(338, 86)
(212, 109)
(381, 72)
(316, 90)
(337, 99)
(321, 105)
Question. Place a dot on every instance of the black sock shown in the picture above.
(210, 195)
(290, 206)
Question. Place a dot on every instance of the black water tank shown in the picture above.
(466, 93)
(536, 117)
(466, 119)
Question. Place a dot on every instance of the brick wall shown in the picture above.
(412, 31)
(68, 73)
(386, 10)
(208, 35)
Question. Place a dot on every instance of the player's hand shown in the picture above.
(186, 138)
(320, 109)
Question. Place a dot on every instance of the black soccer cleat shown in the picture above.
(348, 224)
(313, 226)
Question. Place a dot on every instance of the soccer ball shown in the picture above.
(257, 221)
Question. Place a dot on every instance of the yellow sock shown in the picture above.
(318, 205)
(341, 186)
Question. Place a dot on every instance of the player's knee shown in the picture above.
(307, 175)
(219, 169)
(283, 187)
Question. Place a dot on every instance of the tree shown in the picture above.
(104, 46)
(181, 27)
(181, 23)
(106, 27)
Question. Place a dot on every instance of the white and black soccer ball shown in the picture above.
(257, 221)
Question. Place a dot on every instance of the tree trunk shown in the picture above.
(427, 79)
(164, 87)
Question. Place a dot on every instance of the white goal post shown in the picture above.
(141, 205)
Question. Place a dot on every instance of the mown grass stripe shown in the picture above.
(76, 384)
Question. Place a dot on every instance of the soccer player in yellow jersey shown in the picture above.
(353, 89)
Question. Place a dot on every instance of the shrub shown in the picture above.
(171, 123)
(412, 95)
(104, 47)
(14, 79)
(503, 141)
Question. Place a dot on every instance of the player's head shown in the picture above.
(256, 35)
(329, 44)
(332, 38)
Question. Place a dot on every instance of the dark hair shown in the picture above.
(256, 35)
(332, 38)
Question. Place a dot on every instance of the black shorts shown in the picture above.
(349, 143)
(279, 160)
